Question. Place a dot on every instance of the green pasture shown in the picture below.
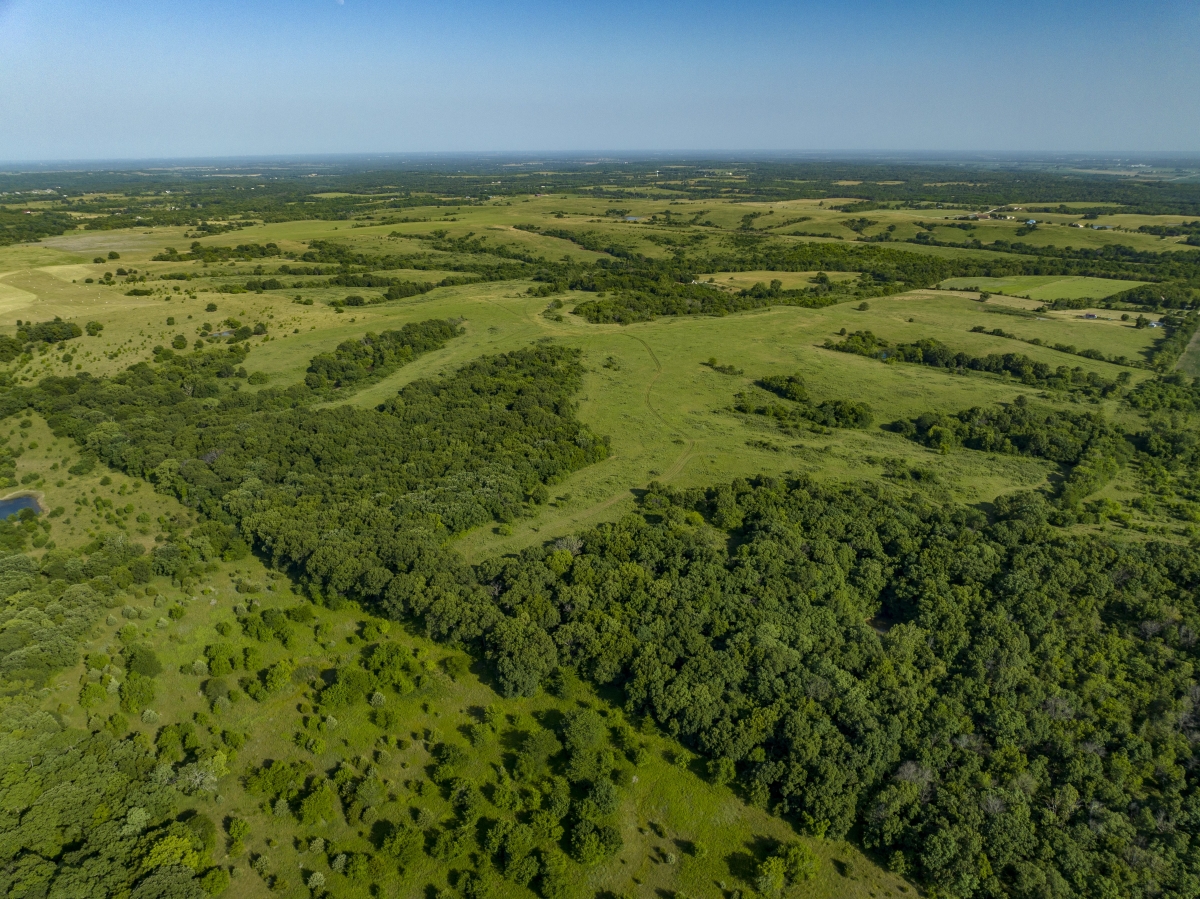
(1046, 288)
(1189, 363)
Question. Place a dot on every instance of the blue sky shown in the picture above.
(87, 80)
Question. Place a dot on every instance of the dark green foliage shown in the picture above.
(968, 709)
(1169, 296)
(1180, 329)
(140, 659)
(800, 863)
(451, 758)
(795, 416)
(1092, 449)
(790, 387)
(1170, 393)
(46, 613)
(522, 655)
(512, 844)
(391, 664)
(136, 693)
(204, 829)
(403, 844)
(270, 624)
(445, 455)
(376, 355)
(48, 332)
(536, 751)
(1023, 428)
(202, 253)
(278, 779)
(320, 803)
(222, 658)
(215, 881)
(645, 289)
(1083, 440)
(1182, 229)
(85, 814)
(216, 688)
(10, 348)
(351, 684)
(592, 843)
(17, 227)
(175, 742)
(722, 369)
(936, 354)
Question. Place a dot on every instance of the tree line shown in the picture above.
(931, 352)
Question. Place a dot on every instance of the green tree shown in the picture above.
(136, 693)
(770, 876)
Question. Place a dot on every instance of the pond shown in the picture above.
(15, 504)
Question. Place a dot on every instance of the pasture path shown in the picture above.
(679, 463)
(658, 370)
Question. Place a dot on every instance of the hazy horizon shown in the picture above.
(385, 159)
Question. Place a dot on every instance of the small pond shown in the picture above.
(15, 504)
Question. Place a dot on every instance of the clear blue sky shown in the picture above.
(91, 80)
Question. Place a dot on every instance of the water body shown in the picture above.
(15, 504)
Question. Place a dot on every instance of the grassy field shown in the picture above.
(1046, 288)
(1190, 361)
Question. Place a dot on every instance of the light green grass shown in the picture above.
(1044, 287)
(48, 457)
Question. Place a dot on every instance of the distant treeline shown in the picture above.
(352, 192)
(17, 226)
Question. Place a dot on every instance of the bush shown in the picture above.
(800, 863)
(136, 693)
(91, 696)
(770, 877)
(141, 659)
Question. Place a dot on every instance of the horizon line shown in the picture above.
(594, 156)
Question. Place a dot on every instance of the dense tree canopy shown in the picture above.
(1000, 708)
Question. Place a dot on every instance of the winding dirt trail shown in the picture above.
(658, 370)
